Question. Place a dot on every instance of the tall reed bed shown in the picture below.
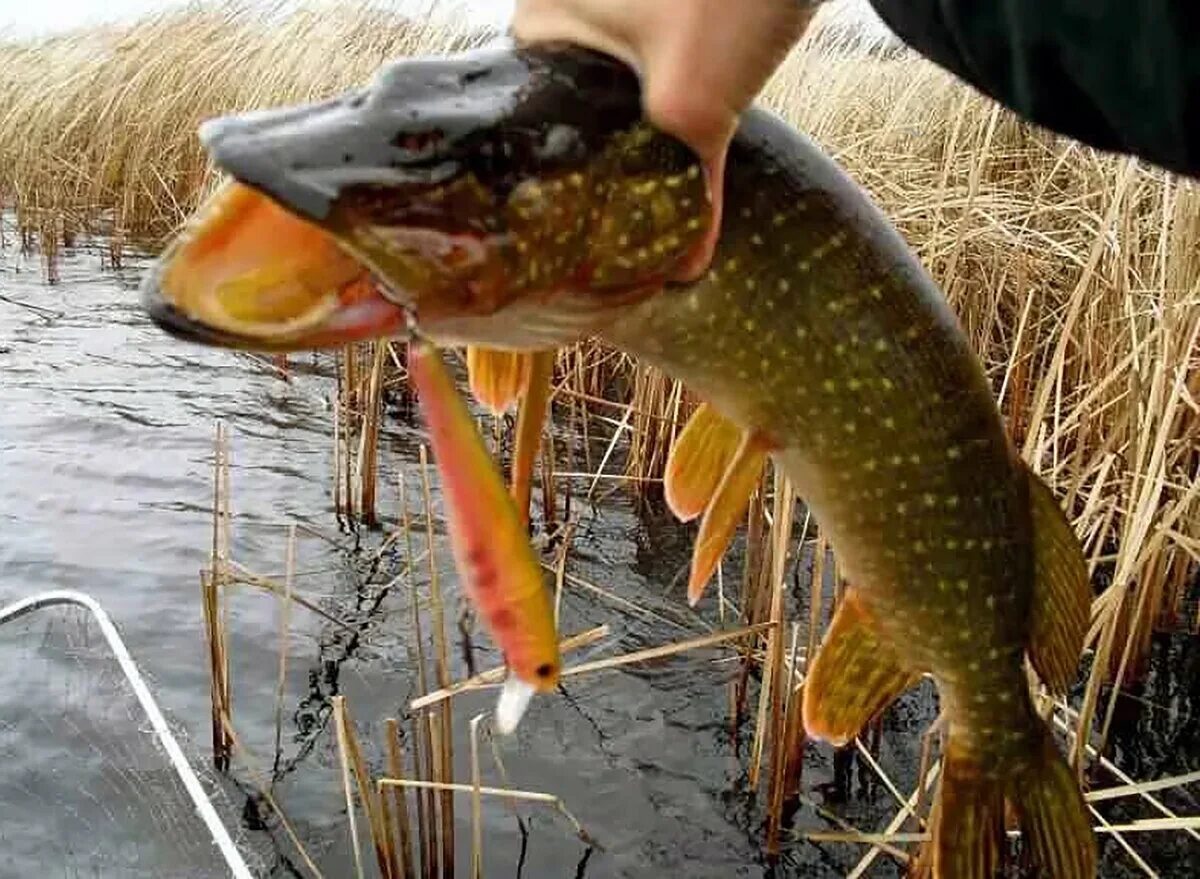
(1075, 274)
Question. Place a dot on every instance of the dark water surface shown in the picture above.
(105, 486)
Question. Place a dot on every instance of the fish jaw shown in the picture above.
(512, 197)
(247, 274)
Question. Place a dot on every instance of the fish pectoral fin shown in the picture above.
(531, 415)
(1062, 592)
(497, 378)
(725, 509)
(698, 460)
(854, 677)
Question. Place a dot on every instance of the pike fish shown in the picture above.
(514, 198)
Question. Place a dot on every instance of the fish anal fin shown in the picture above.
(497, 378)
(1062, 594)
(854, 676)
(698, 460)
(724, 511)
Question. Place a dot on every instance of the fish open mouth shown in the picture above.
(247, 274)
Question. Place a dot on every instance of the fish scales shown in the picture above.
(817, 328)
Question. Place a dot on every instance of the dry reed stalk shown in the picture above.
(506, 793)
(476, 802)
(351, 759)
(212, 585)
(443, 743)
(285, 629)
(339, 715)
(399, 801)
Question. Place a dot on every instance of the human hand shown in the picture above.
(701, 61)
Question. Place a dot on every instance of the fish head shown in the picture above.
(513, 197)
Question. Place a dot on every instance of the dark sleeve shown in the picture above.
(1121, 75)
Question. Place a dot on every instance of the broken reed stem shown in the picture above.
(212, 583)
(495, 676)
(399, 801)
(781, 536)
(340, 724)
(508, 793)
(445, 743)
(285, 627)
(265, 789)
(476, 802)
(368, 450)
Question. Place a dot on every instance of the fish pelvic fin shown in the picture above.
(698, 460)
(531, 415)
(724, 511)
(854, 677)
(497, 378)
(967, 823)
(1062, 593)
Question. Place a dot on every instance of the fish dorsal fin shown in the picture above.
(726, 508)
(855, 675)
(1062, 593)
(698, 461)
(497, 378)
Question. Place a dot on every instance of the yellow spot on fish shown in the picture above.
(576, 179)
(896, 460)
(854, 384)
(986, 545)
(850, 427)
(954, 453)
(801, 332)
(881, 346)
(749, 324)
(623, 241)
(674, 182)
(839, 349)
(756, 240)
(693, 301)
(731, 264)
(751, 284)
(889, 423)
(952, 501)
(829, 385)
(693, 172)
(951, 543)
(919, 547)
(693, 224)
(963, 584)
(784, 285)
(875, 292)
(886, 383)
(943, 585)
(803, 266)
(930, 500)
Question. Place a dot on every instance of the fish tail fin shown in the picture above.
(1053, 815)
(967, 824)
